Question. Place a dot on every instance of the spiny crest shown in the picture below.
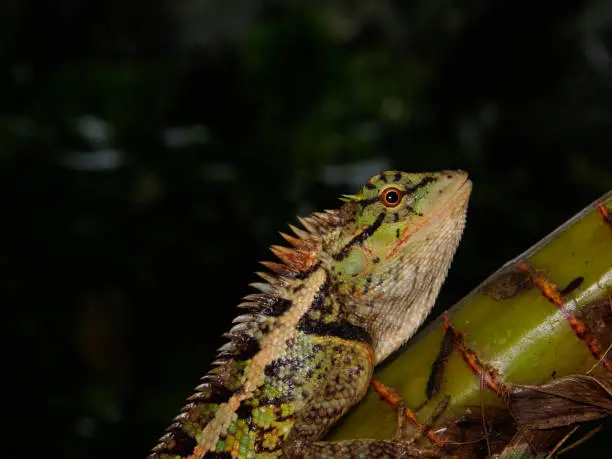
(249, 328)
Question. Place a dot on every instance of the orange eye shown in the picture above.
(391, 197)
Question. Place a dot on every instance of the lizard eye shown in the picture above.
(391, 197)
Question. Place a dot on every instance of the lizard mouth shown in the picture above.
(453, 194)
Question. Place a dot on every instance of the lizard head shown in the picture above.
(391, 255)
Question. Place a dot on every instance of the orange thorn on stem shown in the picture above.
(488, 375)
(550, 291)
(393, 399)
(605, 213)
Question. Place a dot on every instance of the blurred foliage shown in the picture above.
(149, 151)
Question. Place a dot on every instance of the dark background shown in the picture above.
(149, 152)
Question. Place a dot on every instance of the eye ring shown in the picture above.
(391, 197)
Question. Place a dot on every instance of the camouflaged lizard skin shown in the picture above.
(353, 287)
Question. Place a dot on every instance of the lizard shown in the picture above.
(351, 287)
